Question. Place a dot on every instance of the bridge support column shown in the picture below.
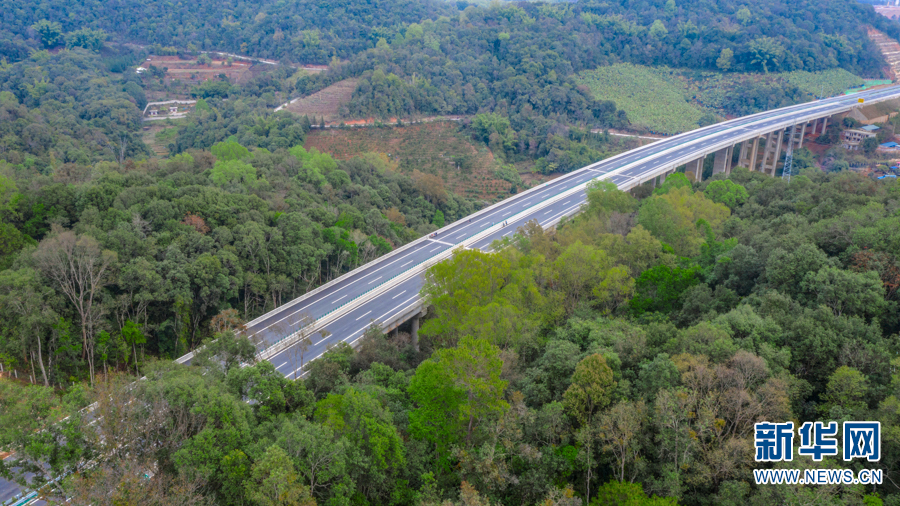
(820, 125)
(695, 167)
(414, 334)
(772, 152)
(749, 150)
(722, 161)
(799, 132)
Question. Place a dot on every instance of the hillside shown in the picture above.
(324, 104)
(652, 100)
(468, 168)
(666, 100)
(624, 356)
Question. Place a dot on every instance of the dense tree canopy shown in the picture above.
(621, 358)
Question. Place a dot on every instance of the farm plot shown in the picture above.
(651, 101)
(189, 71)
(326, 102)
(668, 100)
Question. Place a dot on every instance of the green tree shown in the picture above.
(229, 150)
(591, 388)
(766, 52)
(454, 287)
(371, 435)
(725, 59)
(50, 32)
(727, 192)
(605, 197)
(660, 287)
(274, 482)
(622, 493)
(414, 32)
(320, 456)
(233, 172)
(670, 7)
(86, 38)
(455, 391)
(845, 393)
(676, 180)
(846, 292)
(672, 218)
(870, 145)
(225, 351)
(658, 30)
(132, 335)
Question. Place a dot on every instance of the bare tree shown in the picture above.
(620, 430)
(129, 428)
(303, 329)
(80, 269)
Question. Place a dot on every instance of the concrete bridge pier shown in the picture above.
(414, 334)
(798, 132)
(749, 150)
(722, 161)
(695, 167)
(772, 152)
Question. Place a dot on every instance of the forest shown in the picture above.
(177, 242)
(622, 358)
(436, 58)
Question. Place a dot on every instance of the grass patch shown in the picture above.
(669, 101)
(165, 136)
(652, 100)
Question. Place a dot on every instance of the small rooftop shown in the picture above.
(871, 128)
(888, 145)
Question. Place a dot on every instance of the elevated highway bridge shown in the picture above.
(385, 292)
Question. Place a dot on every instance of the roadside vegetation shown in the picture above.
(622, 357)
(627, 353)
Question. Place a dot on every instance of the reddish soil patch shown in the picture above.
(189, 71)
(888, 11)
(467, 167)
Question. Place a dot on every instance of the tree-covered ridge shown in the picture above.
(624, 356)
(301, 31)
(66, 109)
(767, 35)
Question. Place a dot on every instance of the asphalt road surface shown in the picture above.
(516, 210)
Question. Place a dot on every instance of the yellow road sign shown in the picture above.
(861, 100)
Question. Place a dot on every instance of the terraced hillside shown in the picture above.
(326, 102)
